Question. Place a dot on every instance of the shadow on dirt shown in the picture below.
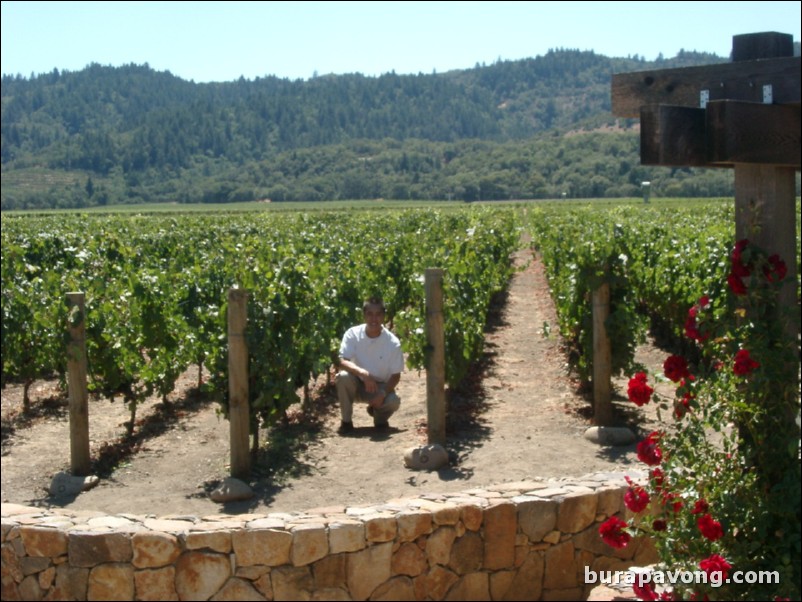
(286, 442)
(466, 427)
(53, 406)
(626, 415)
(163, 418)
(283, 450)
(112, 454)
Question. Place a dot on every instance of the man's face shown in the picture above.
(374, 318)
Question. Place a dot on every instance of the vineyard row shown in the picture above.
(657, 260)
(156, 290)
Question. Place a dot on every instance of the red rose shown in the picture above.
(737, 285)
(740, 247)
(700, 507)
(659, 525)
(674, 500)
(645, 591)
(776, 270)
(649, 451)
(744, 364)
(638, 391)
(710, 528)
(740, 270)
(692, 330)
(657, 477)
(676, 368)
(636, 498)
(715, 564)
(613, 534)
(682, 406)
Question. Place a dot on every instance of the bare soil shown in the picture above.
(521, 416)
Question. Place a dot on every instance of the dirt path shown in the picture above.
(523, 419)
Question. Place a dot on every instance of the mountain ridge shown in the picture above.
(129, 134)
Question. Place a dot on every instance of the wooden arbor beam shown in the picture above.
(745, 132)
(695, 86)
(744, 112)
(726, 132)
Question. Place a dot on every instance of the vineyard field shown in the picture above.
(156, 283)
(156, 286)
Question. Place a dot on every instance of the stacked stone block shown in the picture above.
(516, 541)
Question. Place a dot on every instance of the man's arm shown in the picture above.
(378, 399)
(353, 368)
(392, 382)
(360, 373)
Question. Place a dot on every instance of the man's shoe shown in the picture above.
(345, 428)
(381, 426)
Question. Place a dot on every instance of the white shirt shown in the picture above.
(380, 356)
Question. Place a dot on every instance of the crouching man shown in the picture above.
(371, 362)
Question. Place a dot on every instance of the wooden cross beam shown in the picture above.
(718, 115)
(744, 114)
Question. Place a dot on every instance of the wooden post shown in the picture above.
(602, 358)
(76, 386)
(436, 357)
(238, 405)
(765, 213)
(765, 195)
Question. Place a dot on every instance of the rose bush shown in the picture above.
(723, 487)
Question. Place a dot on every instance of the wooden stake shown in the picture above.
(602, 358)
(76, 386)
(238, 406)
(436, 357)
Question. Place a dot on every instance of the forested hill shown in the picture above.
(531, 128)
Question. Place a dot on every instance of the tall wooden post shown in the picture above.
(238, 406)
(765, 203)
(765, 199)
(602, 358)
(436, 357)
(76, 386)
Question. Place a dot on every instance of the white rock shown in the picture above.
(426, 457)
(231, 490)
(610, 435)
(66, 484)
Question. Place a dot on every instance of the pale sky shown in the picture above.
(222, 41)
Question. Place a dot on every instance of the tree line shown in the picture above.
(513, 129)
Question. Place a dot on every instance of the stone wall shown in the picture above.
(517, 541)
